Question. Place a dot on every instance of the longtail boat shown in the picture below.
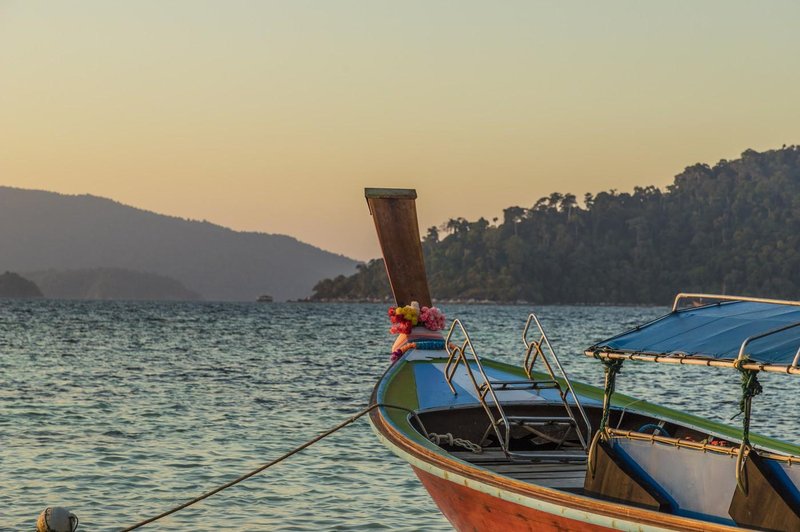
(505, 447)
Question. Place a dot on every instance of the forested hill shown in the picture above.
(42, 231)
(732, 228)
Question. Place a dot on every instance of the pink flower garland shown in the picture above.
(432, 318)
(405, 318)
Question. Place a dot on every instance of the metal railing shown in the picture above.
(728, 449)
(534, 351)
(486, 389)
(721, 298)
(458, 354)
(743, 349)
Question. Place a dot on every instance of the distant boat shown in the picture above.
(503, 447)
(265, 299)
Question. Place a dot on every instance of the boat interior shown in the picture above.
(531, 425)
(545, 448)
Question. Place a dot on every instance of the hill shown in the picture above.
(48, 231)
(110, 283)
(732, 228)
(13, 285)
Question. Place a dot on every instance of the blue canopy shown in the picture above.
(717, 332)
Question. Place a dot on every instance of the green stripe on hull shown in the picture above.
(400, 389)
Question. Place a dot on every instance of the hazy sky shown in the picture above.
(273, 116)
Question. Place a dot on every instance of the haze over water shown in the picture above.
(122, 410)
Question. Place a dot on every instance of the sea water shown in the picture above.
(121, 410)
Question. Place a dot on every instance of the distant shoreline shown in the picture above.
(329, 302)
(486, 302)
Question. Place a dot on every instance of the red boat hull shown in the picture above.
(473, 498)
(469, 509)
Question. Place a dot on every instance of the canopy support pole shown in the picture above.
(750, 388)
(612, 367)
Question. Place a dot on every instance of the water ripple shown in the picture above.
(121, 410)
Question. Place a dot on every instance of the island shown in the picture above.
(731, 228)
(13, 285)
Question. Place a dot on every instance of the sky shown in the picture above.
(274, 116)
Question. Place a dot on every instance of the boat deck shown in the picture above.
(567, 476)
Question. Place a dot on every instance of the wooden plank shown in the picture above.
(574, 482)
(480, 458)
(770, 502)
(502, 464)
(537, 466)
(485, 455)
(615, 480)
(545, 474)
(558, 483)
(525, 456)
(395, 217)
(533, 475)
(565, 468)
(507, 468)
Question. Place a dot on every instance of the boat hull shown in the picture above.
(471, 510)
(473, 498)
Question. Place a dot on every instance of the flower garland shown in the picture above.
(399, 352)
(405, 318)
(419, 344)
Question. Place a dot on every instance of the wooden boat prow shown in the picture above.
(505, 447)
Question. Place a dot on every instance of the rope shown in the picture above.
(612, 367)
(450, 440)
(750, 388)
(259, 469)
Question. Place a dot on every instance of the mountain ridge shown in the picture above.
(43, 230)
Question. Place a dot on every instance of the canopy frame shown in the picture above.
(742, 361)
(749, 369)
(722, 298)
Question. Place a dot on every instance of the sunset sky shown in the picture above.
(273, 116)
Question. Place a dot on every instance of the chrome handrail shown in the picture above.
(528, 366)
(457, 354)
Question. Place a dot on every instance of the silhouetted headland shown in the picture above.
(13, 285)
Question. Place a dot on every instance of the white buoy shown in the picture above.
(57, 519)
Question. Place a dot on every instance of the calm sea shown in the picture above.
(119, 411)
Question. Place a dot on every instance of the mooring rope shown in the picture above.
(449, 439)
(283, 457)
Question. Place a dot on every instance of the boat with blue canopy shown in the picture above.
(733, 331)
(523, 447)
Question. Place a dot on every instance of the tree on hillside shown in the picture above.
(731, 228)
